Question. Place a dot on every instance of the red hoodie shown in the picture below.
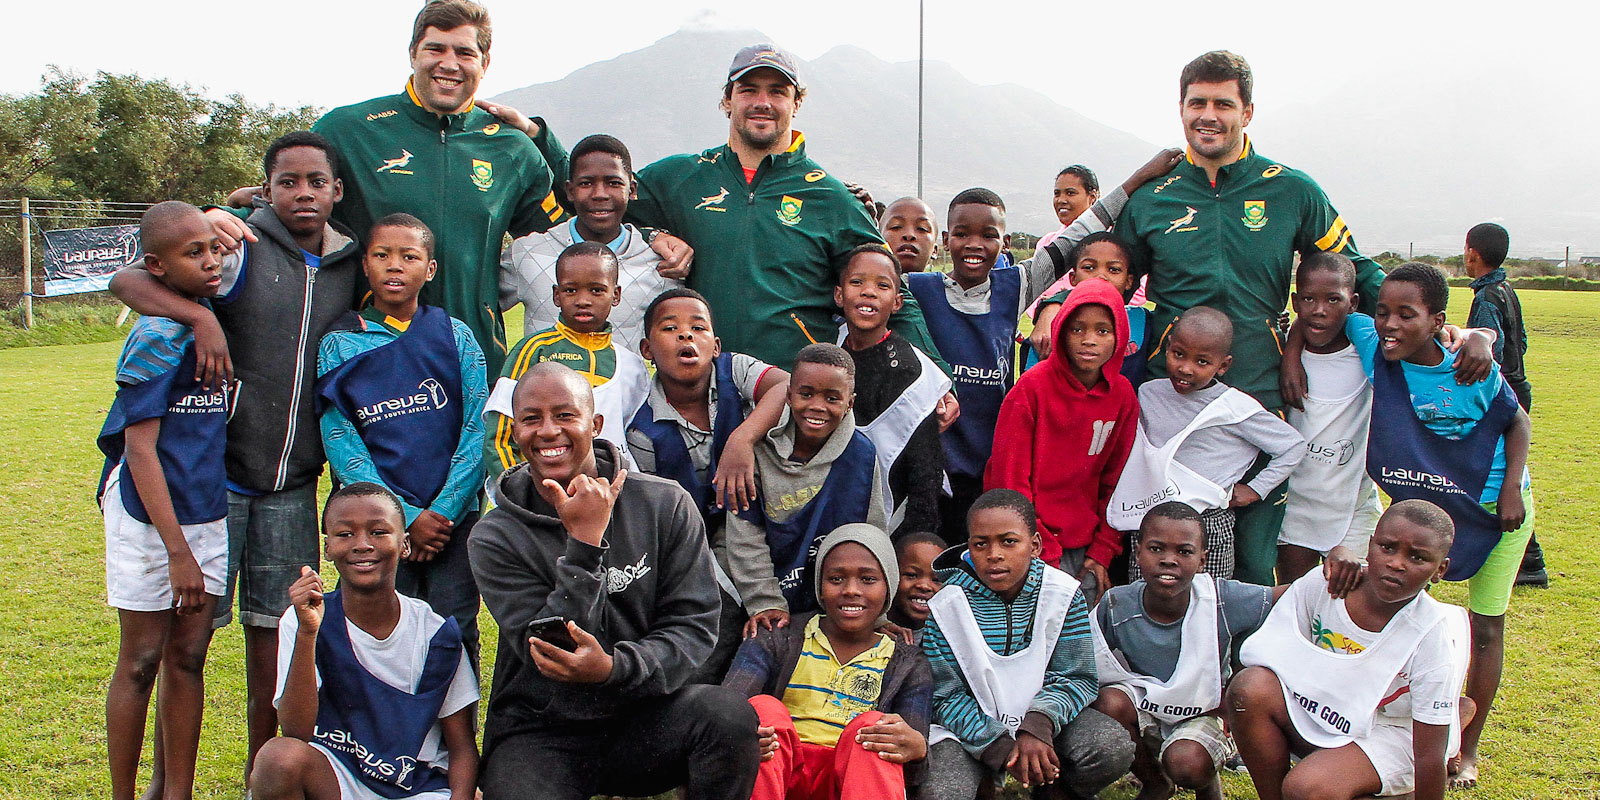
(1064, 446)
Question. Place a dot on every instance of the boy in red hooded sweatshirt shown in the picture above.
(1065, 431)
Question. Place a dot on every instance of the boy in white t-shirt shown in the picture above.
(1330, 499)
(380, 701)
(1363, 689)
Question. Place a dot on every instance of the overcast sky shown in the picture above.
(1116, 62)
(1509, 81)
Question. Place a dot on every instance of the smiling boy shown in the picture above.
(815, 471)
(898, 389)
(1198, 436)
(340, 649)
(598, 192)
(428, 452)
(585, 292)
(843, 708)
(972, 313)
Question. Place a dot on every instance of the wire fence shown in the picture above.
(49, 214)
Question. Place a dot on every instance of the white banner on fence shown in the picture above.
(84, 259)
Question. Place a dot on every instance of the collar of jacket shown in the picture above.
(422, 116)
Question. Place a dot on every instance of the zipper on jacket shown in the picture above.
(299, 377)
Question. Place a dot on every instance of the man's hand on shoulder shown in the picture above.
(590, 663)
(510, 117)
(677, 257)
(584, 505)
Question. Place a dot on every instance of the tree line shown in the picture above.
(124, 138)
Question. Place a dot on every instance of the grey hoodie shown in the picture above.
(647, 594)
(786, 486)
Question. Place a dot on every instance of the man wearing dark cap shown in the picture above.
(770, 228)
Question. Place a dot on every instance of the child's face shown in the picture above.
(1001, 548)
(912, 232)
(397, 265)
(1402, 558)
(585, 293)
(680, 342)
(819, 397)
(918, 584)
(187, 257)
(600, 190)
(1406, 328)
(868, 292)
(1170, 552)
(1194, 360)
(1106, 261)
(853, 591)
(302, 190)
(1091, 337)
(1322, 300)
(363, 540)
(1070, 198)
(977, 232)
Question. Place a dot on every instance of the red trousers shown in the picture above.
(803, 771)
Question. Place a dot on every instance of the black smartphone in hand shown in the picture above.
(553, 630)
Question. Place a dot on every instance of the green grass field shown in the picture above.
(59, 639)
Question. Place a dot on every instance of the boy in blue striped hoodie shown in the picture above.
(1005, 699)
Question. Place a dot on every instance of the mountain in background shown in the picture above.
(859, 118)
(1423, 179)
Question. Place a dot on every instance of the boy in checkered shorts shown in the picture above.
(1197, 439)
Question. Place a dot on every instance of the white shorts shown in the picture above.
(136, 561)
(1389, 749)
(352, 787)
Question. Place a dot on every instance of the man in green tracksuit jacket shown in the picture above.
(469, 176)
(1222, 230)
(471, 170)
(769, 226)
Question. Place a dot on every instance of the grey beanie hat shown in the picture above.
(868, 536)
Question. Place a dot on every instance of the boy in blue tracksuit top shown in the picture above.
(400, 390)
(972, 315)
(165, 505)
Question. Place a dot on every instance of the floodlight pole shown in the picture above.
(921, 11)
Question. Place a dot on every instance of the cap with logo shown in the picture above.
(761, 55)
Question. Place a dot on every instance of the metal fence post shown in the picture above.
(27, 268)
